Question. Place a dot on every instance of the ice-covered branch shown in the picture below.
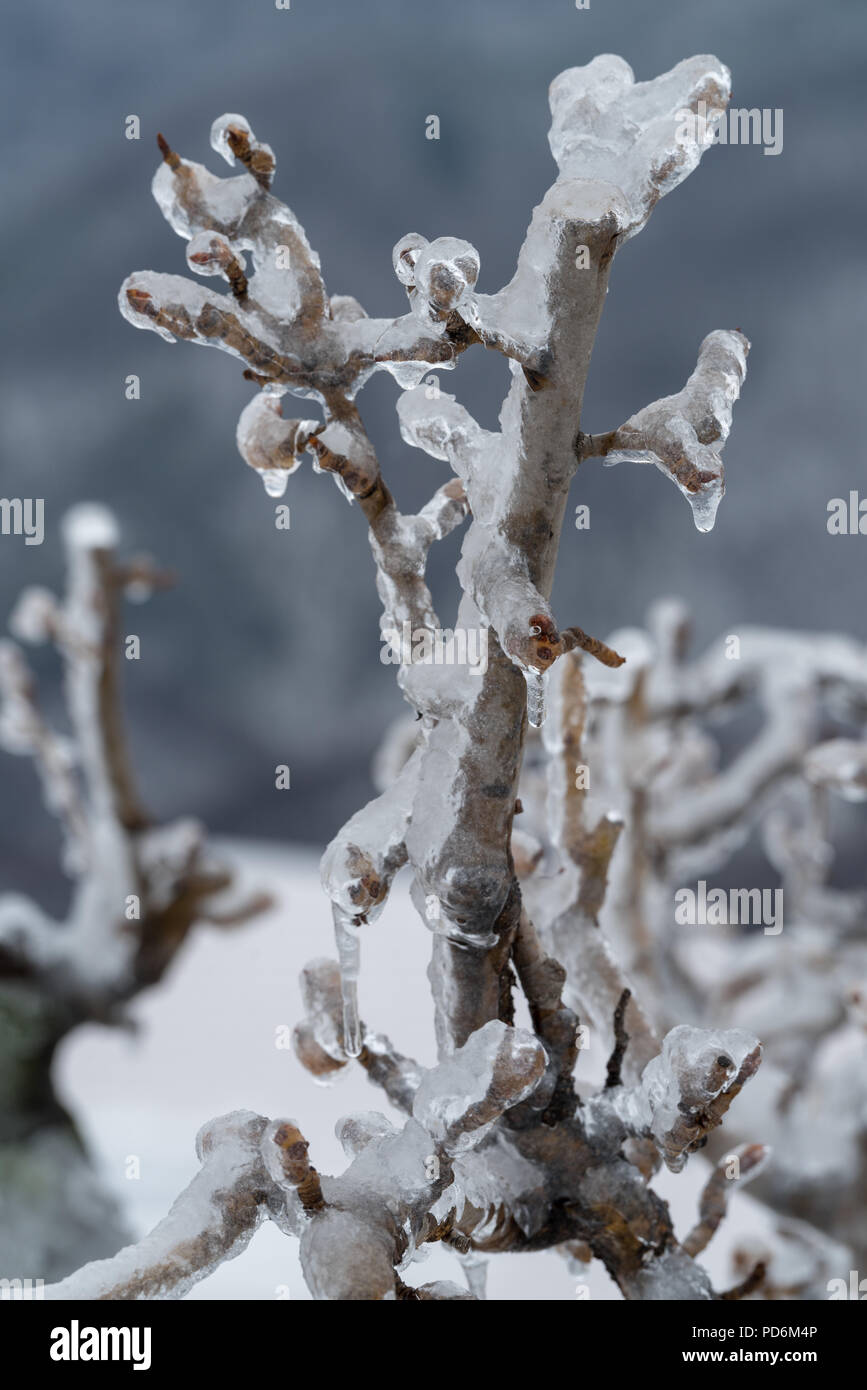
(278, 319)
(138, 887)
(569, 904)
(684, 1091)
(372, 1216)
(497, 1152)
(357, 870)
(687, 809)
(213, 1220)
(635, 141)
(684, 434)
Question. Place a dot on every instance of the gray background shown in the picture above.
(267, 652)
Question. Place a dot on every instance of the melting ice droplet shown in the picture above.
(349, 957)
(274, 480)
(704, 505)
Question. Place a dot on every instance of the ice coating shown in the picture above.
(443, 428)
(269, 443)
(683, 435)
(357, 869)
(219, 1212)
(404, 256)
(449, 811)
(226, 126)
(684, 1091)
(459, 1101)
(643, 138)
(356, 1131)
(444, 274)
(274, 481)
(790, 985)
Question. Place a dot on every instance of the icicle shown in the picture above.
(475, 1272)
(349, 956)
(704, 505)
(536, 684)
(274, 480)
(408, 375)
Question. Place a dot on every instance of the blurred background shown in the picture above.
(267, 652)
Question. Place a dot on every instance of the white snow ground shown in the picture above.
(208, 1044)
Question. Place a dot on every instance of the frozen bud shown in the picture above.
(34, 615)
(90, 526)
(840, 764)
(137, 303)
(209, 254)
(405, 255)
(346, 309)
(285, 1151)
(364, 1127)
(240, 1132)
(313, 1056)
(446, 271)
(227, 131)
(233, 138)
(458, 1101)
(690, 1085)
(269, 443)
(318, 1039)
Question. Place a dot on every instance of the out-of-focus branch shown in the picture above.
(138, 887)
(736, 1167)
